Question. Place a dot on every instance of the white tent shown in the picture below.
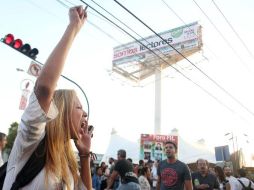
(117, 142)
(187, 152)
(191, 152)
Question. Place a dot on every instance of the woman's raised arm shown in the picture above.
(51, 71)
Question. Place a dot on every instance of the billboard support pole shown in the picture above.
(157, 105)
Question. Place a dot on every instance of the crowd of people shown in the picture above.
(55, 117)
(168, 174)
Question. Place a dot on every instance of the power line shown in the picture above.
(179, 71)
(97, 27)
(100, 29)
(126, 26)
(219, 86)
(231, 26)
(223, 37)
(220, 102)
(164, 60)
(131, 28)
(159, 56)
(184, 23)
(91, 23)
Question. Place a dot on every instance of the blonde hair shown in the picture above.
(60, 158)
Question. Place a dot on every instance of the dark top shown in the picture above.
(209, 179)
(224, 184)
(125, 170)
(173, 175)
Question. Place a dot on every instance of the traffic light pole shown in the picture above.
(70, 80)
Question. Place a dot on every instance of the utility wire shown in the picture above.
(223, 37)
(210, 94)
(63, 4)
(91, 23)
(126, 26)
(219, 101)
(184, 23)
(231, 26)
(131, 28)
(217, 84)
(97, 27)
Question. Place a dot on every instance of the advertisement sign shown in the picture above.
(152, 146)
(184, 37)
(24, 98)
(26, 90)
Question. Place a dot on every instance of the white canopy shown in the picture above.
(187, 152)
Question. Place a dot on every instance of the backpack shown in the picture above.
(244, 187)
(32, 167)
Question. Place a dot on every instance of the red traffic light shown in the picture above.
(8, 39)
(18, 45)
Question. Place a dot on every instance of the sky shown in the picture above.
(118, 103)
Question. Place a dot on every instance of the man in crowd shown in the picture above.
(234, 183)
(203, 179)
(3, 142)
(245, 182)
(172, 173)
(111, 161)
(124, 169)
(96, 179)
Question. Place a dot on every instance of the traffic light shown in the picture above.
(18, 45)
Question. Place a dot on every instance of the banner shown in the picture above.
(152, 146)
(23, 99)
(184, 37)
(26, 90)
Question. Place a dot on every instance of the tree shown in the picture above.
(11, 137)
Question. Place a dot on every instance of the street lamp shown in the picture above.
(232, 138)
(235, 151)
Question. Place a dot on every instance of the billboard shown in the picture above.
(184, 37)
(152, 146)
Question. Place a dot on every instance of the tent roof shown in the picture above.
(187, 152)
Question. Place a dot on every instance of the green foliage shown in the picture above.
(11, 137)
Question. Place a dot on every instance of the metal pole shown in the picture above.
(157, 109)
(238, 153)
(233, 141)
(222, 153)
